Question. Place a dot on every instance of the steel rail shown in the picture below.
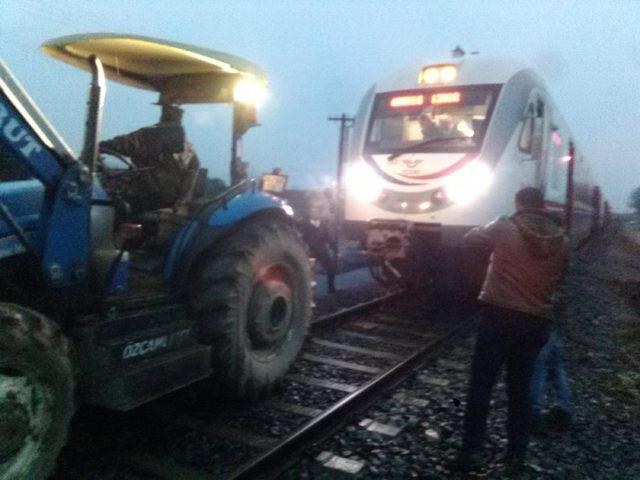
(273, 462)
(166, 469)
(344, 313)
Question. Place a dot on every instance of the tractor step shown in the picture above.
(129, 357)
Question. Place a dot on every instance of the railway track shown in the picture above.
(349, 359)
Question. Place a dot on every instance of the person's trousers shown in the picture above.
(549, 366)
(324, 258)
(504, 337)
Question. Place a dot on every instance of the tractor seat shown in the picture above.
(163, 225)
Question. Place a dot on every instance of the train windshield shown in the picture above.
(434, 120)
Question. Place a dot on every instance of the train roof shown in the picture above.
(473, 69)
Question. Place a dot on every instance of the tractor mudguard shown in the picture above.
(213, 224)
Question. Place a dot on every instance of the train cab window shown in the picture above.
(537, 141)
(431, 120)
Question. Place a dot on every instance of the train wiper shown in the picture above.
(417, 146)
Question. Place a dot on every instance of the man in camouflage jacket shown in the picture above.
(166, 162)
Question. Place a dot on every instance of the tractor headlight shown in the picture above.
(363, 182)
(250, 91)
(288, 209)
(468, 183)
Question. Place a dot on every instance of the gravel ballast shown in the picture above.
(598, 329)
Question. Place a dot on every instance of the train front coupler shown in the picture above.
(387, 246)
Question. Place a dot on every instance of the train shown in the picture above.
(441, 147)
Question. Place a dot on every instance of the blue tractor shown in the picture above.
(114, 308)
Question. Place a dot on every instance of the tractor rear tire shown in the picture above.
(36, 393)
(252, 297)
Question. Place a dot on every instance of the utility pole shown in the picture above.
(570, 188)
(345, 123)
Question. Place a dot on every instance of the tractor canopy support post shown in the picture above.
(244, 117)
(95, 102)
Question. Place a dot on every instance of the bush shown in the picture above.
(634, 200)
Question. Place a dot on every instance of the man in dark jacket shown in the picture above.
(528, 260)
(166, 162)
(321, 242)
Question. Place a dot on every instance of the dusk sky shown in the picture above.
(321, 57)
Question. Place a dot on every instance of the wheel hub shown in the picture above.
(24, 416)
(14, 428)
(270, 309)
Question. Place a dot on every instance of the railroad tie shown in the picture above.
(319, 382)
(292, 408)
(380, 339)
(341, 363)
(350, 348)
(409, 400)
(398, 330)
(450, 364)
(377, 427)
(438, 382)
(335, 462)
(225, 432)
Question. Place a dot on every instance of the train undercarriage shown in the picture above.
(421, 255)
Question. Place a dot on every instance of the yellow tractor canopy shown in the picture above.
(181, 73)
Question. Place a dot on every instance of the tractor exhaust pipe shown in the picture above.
(95, 102)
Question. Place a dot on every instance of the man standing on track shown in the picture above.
(322, 243)
(528, 260)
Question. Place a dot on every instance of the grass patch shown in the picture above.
(628, 336)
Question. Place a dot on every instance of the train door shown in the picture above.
(557, 163)
(533, 142)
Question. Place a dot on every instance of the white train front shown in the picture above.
(441, 148)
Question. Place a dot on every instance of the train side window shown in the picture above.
(540, 109)
(537, 138)
(525, 142)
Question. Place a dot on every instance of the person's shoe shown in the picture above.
(466, 462)
(559, 420)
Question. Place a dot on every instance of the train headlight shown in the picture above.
(468, 183)
(288, 209)
(438, 74)
(363, 182)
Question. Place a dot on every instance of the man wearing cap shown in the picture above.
(166, 165)
(321, 241)
(528, 260)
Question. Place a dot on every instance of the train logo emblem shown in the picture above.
(411, 162)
